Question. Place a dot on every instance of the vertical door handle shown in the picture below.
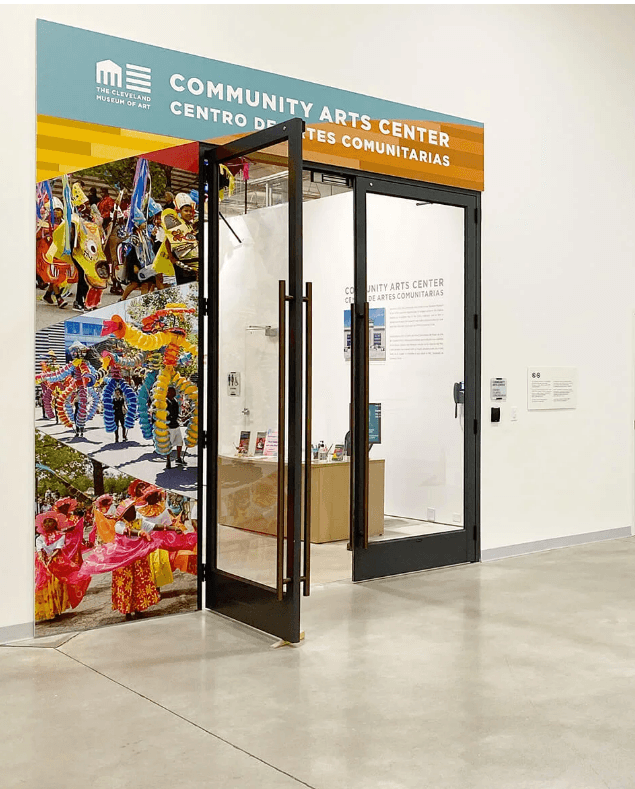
(351, 427)
(282, 351)
(366, 458)
(308, 415)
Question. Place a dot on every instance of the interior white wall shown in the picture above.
(553, 85)
(421, 440)
(248, 290)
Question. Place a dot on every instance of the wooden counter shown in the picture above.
(248, 492)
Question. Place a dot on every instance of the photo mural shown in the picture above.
(116, 392)
(116, 271)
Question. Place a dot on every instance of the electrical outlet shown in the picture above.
(432, 514)
(514, 413)
(456, 517)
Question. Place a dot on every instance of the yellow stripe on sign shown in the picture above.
(111, 152)
(49, 143)
(60, 132)
(94, 127)
(160, 140)
(75, 161)
(65, 146)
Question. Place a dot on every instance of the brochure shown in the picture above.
(338, 452)
(243, 445)
(260, 443)
(271, 444)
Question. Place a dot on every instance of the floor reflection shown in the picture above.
(252, 555)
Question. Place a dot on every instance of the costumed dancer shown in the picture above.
(111, 217)
(151, 506)
(156, 509)
(57, 547)
(77, 401)
(126, 557)
(104, 514)
(119, 410)
(161, 330)
(67, 506)
(180, 245)
(77, 242)
(137, 487)
(183, 510)
(49, 389)
(54, 275)
(139, 270)
(133, 589)
(144, 394)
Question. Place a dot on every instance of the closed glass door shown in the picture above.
(415, 351)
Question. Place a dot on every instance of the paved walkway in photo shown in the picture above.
(135, 457)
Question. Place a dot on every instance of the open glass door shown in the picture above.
(415, 379)
(254, 379)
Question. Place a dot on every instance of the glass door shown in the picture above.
(255, 380)
(416, 379)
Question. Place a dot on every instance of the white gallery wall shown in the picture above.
(415, 277)
(250, 270)
(553, 85)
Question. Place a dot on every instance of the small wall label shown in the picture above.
(552, 388)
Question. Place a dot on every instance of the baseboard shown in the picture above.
(16, 632)
(491, 554)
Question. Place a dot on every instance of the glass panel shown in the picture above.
(250, 271)
(254, 257)
(328, 228)
(416, 342)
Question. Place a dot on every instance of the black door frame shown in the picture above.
(392, 559)
(384, 558)
(238, 598)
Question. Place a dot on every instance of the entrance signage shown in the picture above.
(498, 389)
(131, 86)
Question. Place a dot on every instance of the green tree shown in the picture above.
(158, 299)
(120, 175)
(70, 471)
(117, 485)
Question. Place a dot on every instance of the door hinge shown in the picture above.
(204, 439)
(475, 426)
(203, 572)
(205, 305)
(476, 215)
(476, 321)
(475, 534)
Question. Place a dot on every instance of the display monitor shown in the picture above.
(374, 423)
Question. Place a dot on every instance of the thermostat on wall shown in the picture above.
(498, 389)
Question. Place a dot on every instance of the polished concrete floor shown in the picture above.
(517, 674)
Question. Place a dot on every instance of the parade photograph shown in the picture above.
(108, 547)
(115, 230)
(120, 386)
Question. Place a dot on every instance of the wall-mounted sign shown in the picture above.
(233, 384)
(551, 388)
(498, 389)
(123, 86)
